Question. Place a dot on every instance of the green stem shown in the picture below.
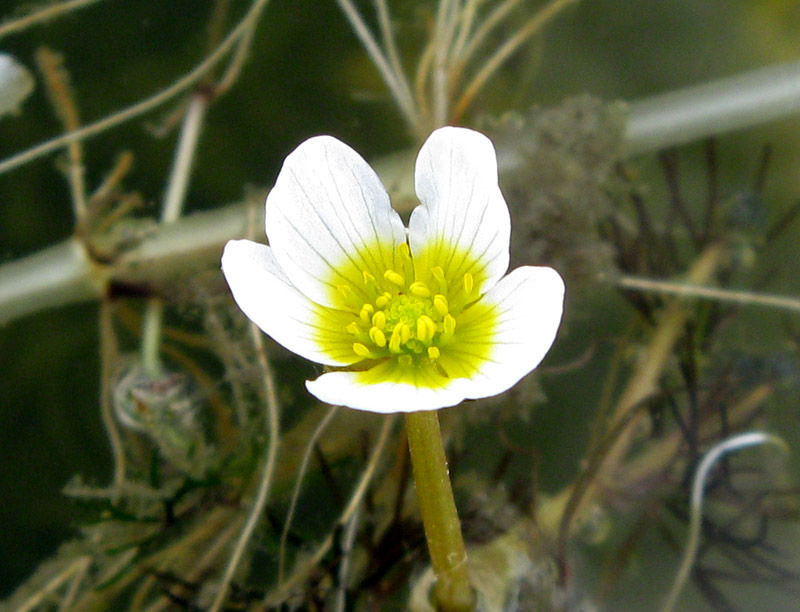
(453, 592)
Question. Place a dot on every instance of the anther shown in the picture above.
(420, 289)
(433, 352)
(405, 333)
(360, 349)
(440, 304)
(469, 283)
(379, 319)
(449, 324)
(438, 274)
(377, 336)
(405, 360)
(366, 313)
(395, 278)
(425, 328)
(395, 341)
(383, 299)
(353, 328)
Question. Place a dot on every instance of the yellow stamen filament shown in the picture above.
(353, 328)
(440, 304)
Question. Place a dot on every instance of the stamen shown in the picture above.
(425, 329)
(438, 274)
(366, 313)
(433, 352)
(383, 299)
(449, 324)
(377, 336)
(405, 333)
(395, 278)
(379, 319)
(360, 349)
(469, 283)
(404, 251)
(419, 289)
(353, 328)
(395, 341)
(440, 304)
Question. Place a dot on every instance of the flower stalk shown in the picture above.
(453, 592)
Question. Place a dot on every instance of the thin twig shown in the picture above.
(144, 106)
(748, 298)
(356, 498)
(260, 502)
(76, 566)
(389, 43)
(530, 28)
(392, 80)
(108, 358)
(298, 484)
(446, 18)
(57, 82)
(351, 529)
(42, 15)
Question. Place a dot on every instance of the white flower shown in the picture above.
(409, 320)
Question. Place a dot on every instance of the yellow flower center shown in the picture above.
(402, 317)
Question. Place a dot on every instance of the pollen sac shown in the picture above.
(406, 318)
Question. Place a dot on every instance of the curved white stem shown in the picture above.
(734, 443)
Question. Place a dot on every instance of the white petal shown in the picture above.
(360, 390)
(527, 304)
(463, 223)
(329, 219)
(266, 296)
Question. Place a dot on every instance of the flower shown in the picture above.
(407, 319)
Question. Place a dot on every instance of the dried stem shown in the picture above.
(298, 484)
(57, 81)
(301, 572)
(511, 45)
(140, 108)
(41, 15)
(272, 422)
